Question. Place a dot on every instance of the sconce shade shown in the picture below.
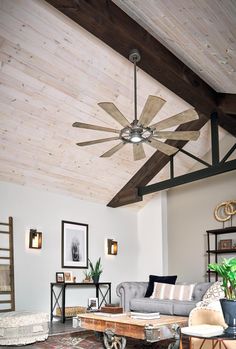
(35, 239)
(112, 247)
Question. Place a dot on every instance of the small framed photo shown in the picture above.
(68, 277)
(93, 304)
(60, 277)
(225, 244)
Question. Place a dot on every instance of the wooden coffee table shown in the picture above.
(116, 328)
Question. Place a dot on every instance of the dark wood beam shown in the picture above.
(110, 24)
(227, 103)
(189, 177)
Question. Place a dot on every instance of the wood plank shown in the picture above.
(127, 326)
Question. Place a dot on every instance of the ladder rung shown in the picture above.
(4, 224)
(5, 258)
(5, 292)
(5, 310)
(4, 249)
(5, 302)
(4, 232)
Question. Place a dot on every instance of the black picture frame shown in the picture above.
(74, 245)
(60, 278)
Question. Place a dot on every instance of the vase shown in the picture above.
(96, 279)
(229, 311)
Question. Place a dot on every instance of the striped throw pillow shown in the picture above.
(177, 292)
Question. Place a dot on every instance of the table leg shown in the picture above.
(63, 303)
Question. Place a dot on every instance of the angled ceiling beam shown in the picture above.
(227, 103)
(110, 24)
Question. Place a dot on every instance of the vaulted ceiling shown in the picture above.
(60, 58)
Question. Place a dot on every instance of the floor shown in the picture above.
(57, 327)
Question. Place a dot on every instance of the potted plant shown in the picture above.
(227, 270)
(95, 270)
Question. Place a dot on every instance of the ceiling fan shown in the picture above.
(139, 130)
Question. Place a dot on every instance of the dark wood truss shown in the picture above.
(110, 24)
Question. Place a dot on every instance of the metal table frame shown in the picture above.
(103, 296)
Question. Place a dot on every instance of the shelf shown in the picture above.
(222, 231)
(222, 251)
(214, 253)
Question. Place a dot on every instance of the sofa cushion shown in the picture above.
(183, 308)
(179, 292)
(155, 278)
(151, 305)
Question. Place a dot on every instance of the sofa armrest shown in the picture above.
(199, 316)
(129, 290)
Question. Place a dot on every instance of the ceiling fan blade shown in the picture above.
(138, 151)
(151, 108)
(178, 135)
(163, 147)
(94, 127)
(96, 141)
(181, 118)
(113, 150)
(112, 110)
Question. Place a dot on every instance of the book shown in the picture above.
(204, 330)
(112, 309)
(145, 316)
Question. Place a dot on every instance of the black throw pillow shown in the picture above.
(163, 279)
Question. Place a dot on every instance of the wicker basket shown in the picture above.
(71, 311)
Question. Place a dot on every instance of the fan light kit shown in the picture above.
(139, 131)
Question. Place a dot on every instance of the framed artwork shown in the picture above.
(68, 277)
(225, 244)
(92, 303)
(60, 277)
(74, 245)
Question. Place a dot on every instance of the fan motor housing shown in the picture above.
(127, 134)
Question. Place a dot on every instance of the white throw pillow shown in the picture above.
(177, 292)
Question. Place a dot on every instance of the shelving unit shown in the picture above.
(7, 290)
(215, 252)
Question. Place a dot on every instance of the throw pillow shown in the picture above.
(214, 293)
(155, 278)
(177, 292)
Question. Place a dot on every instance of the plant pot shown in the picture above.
(96, 279)
(229, 311)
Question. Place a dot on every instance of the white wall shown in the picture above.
(152, 237)
(190, 214)
(44, 211)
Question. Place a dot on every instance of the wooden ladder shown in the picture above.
(7, 289)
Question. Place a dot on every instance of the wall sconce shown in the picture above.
(35, 239)
(112, 246)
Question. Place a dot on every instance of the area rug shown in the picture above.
(89, 340)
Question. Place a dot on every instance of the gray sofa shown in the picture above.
(132, 299)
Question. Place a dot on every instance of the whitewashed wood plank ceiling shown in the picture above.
(54, 73)
(201, 34)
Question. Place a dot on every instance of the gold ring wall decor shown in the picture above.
(224, 211)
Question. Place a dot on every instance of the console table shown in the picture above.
(59, 299)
